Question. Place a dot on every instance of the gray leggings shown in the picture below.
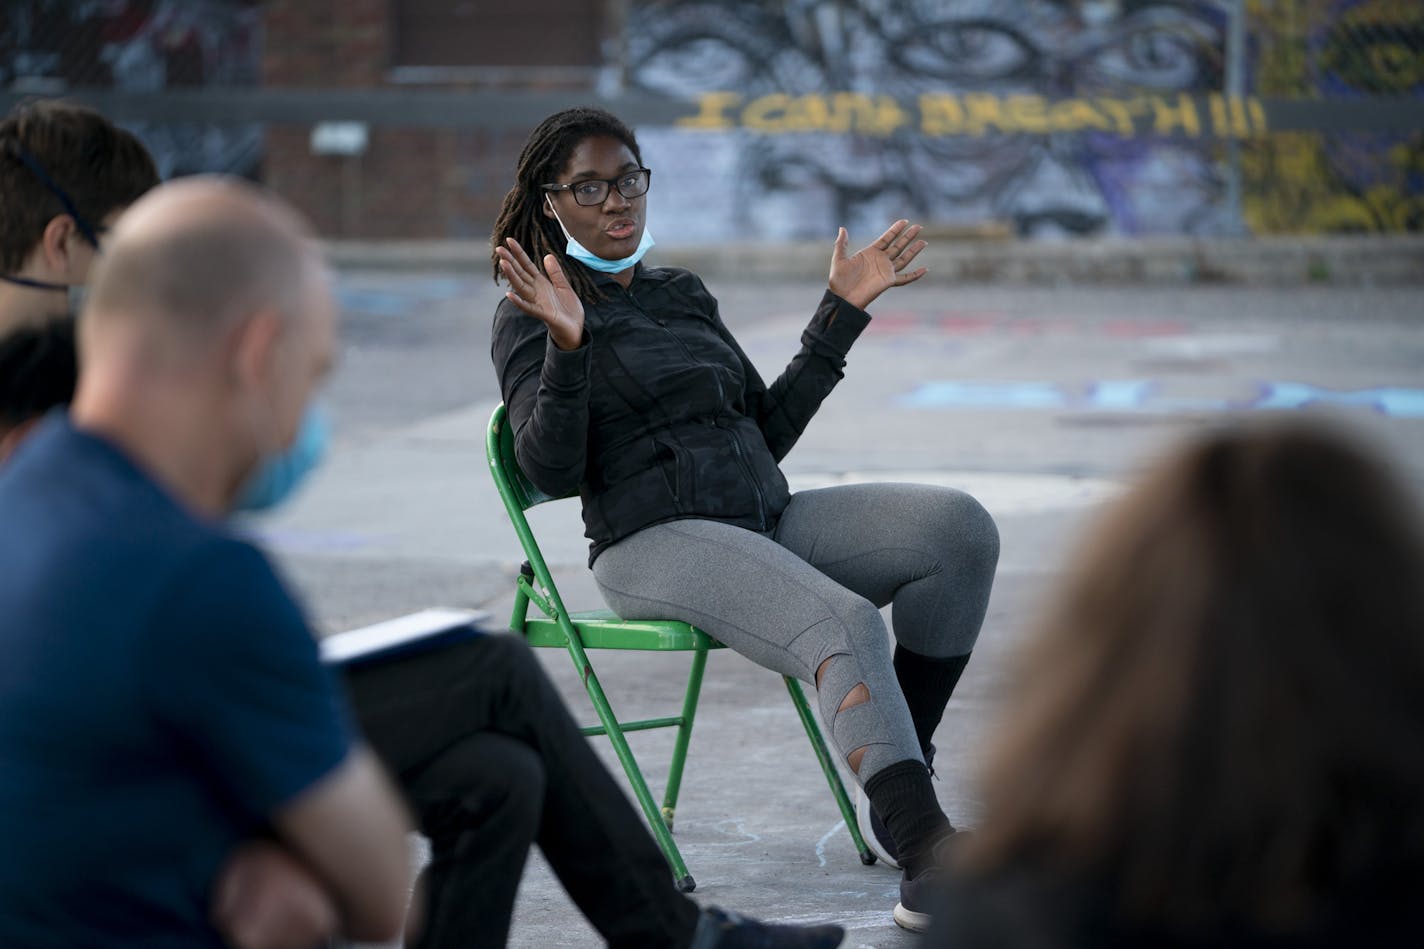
(811, 589)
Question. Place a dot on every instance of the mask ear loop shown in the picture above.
(23, 155)
(548, 199)
(33, 284)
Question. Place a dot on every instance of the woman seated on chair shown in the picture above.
(622, 381)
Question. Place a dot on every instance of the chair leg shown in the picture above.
(520, 613)
(828, 767)
(684, 735)
(683, 879)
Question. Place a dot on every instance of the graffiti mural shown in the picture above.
(1344, 181)
(143, 46)
(1064, 169)
(1056, 118)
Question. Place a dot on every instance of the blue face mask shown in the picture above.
(278, 476)
(594, 262)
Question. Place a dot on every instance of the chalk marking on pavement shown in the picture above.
(859, 919)
(821, 844)
(747, 836)
(1145, 396)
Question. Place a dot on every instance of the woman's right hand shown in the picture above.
(548, 299)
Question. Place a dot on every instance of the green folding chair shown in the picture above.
(601, 629)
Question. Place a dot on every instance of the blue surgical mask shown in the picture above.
(594, 262)
(277, 476)
(78, 294)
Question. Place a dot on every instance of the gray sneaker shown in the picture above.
(916, 898)
(919, 896)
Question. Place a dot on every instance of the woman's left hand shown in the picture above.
(873, 270)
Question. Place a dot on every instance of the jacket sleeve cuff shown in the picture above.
(836, 325)
(566, 370)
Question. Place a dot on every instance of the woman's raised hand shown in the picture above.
(548, 299)
(878, 267)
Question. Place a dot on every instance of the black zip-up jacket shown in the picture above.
(659, 415)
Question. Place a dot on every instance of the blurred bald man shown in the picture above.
(161, 698)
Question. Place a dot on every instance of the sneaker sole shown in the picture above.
(862, 821)
(911, 920)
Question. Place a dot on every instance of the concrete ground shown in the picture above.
(1040, 401)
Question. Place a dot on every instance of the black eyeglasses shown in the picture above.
(593, 191)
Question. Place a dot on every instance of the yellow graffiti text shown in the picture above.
(778, 112)
(977, 114)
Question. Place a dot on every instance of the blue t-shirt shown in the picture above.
(160, 698)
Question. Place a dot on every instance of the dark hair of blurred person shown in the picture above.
(64, 169)
(1216, 734)
(66, 173)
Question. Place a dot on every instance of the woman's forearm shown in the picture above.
(785, 408)
(546, 391)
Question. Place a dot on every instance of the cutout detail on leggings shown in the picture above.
(841, 666)
(856, 757)
(858, 695)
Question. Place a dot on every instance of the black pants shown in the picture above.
(491, 762)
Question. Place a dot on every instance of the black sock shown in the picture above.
(927, 683)
(905, 800)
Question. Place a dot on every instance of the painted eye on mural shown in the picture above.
(967, 51)
(1160, 49)
(1380, 55)
(694, 64)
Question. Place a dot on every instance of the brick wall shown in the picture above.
(410, 182)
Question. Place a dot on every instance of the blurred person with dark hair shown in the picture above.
(66, 173)
(623, 382)
(163, 712)
(1215, 737)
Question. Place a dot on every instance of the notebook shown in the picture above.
(414, 632)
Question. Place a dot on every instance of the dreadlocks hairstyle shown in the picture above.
(99, 166)
(544, 156)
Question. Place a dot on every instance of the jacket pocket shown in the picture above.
(675, 463)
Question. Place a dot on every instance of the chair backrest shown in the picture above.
(513, 486)
(519, 494)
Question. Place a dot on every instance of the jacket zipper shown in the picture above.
(722, 399)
